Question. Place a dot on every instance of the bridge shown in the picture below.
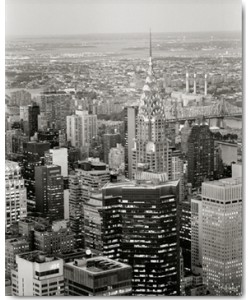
(219, 110)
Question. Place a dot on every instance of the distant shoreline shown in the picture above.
(124, 34)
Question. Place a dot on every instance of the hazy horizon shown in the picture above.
(25, 18)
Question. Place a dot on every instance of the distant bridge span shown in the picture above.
(219, 110)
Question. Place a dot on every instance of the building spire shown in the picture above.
(150, 53)
(150, 44)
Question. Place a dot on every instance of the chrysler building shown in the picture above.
(151, 151)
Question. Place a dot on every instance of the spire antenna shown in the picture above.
(150, 44)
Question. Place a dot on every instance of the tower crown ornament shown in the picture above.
(151, 104)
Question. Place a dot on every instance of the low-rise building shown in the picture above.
(97, 276)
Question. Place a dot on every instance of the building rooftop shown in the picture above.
(98, 264)
(224, 182)
(149, 183)
(37, 257)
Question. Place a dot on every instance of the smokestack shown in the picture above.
(194, 83)
(205, 88)
(187, 83)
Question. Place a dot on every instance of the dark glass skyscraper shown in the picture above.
(49, 191)
(200, 155)
(147, 232)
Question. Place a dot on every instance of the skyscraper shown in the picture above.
(141, 227)
(222, 236)
(29, 116)
(49, 191)
(150, 236)
(81, 129)
(200, 154)
(110, 140)
(15, 194)
(185, 234)
(196, 235)
(33, 157)
(130, 134)
(151, 149)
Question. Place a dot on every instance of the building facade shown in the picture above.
(15, 194)
(222, 236)
(130, 134)
(200, 155)
(81, 129)
(110, 140)
(58, 156)
(37, 274)
(49, 191)
(97, 276)
(151, 148)
(150, 237)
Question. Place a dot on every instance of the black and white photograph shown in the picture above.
(124, 148)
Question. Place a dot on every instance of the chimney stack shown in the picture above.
(187, 83)
(205, 88)
(195, 83)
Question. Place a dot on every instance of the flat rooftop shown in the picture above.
(145, 184)
(38, 257)
(224, 182)
(98, 264)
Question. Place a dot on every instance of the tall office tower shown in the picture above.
(97, 276)
(116, 158)
(196, 235)
(13, 247)
(49, 191)
(151, 148)
(89, 177)
(37, 274)
(150, 236)
(177, 168)
(15, 194)
(54, 241)
(29, 118)
(56, 106)
(75, 209)
(185, 234)
(58, 156)
(130, 134)
(111, 220)
(222, 236)
(144, 232)
(33, 157)
(110, 140)
(92, 223)
(200, 155)
(185, 132)
(81, 129)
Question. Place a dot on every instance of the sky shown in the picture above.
(66, 17)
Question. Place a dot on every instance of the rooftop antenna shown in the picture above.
(150, 53)
(150, 44)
